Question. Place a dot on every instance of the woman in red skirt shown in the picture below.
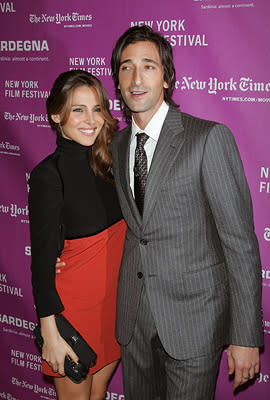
(74, 212)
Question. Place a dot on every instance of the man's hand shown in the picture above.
(244, 362)
(58, 265)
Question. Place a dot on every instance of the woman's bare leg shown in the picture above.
(92, 388)
(100, 381)
(68, 390)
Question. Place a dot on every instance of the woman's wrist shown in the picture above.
(49, 328)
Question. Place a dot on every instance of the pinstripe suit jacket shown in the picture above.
(195, 243)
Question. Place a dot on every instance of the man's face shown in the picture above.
(141, 80)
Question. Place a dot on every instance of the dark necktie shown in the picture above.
(140, 170)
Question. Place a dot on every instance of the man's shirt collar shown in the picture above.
(154, 126)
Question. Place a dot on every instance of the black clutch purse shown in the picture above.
(87, 356)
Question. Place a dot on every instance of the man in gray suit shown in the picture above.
(190, 279)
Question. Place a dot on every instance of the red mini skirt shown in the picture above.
(87, 286)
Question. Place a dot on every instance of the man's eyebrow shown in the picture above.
(149, 60)
(125, 61)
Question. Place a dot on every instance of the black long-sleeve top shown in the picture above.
(66, 201)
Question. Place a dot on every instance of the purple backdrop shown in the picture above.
(221, 50)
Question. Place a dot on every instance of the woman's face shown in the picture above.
(85, 119)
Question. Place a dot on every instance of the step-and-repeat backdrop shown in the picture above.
(221, 52)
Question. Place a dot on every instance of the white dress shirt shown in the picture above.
(152, 129)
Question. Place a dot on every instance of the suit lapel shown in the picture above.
(123, 159)
(169, 144)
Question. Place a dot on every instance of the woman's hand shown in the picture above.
(55, 348)
(59, 264)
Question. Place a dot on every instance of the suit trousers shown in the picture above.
(149, 373)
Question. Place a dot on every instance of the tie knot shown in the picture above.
(141, 138)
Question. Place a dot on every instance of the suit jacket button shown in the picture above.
(140, 275)
(143, 241)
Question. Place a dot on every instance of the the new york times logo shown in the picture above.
(263, 378)
(267, 234)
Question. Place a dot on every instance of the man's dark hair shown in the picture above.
(145, 34)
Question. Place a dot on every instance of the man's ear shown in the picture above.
(56, 118)
(165, 84)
